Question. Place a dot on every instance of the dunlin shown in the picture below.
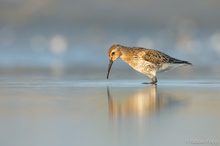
(145, 61)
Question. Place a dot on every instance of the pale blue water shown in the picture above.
(49, 112)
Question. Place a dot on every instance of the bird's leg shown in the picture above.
(153, 80)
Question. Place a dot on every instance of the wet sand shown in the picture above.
(116, 112)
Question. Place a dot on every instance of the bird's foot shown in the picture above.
(146, 83)
(153, 83)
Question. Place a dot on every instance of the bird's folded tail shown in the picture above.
(177, 61)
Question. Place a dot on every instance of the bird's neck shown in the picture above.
(125, 52)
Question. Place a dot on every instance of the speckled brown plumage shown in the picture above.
(146, 61)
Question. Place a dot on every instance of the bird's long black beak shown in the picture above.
(109, 67)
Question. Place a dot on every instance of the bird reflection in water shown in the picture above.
(139, 101)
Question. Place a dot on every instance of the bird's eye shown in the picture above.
(113, 53)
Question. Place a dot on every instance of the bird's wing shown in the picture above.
(155, 57)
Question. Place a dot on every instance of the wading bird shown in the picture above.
(145, 61)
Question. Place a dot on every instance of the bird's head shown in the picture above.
(114, 53)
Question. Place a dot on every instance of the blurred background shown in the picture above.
(73, 36)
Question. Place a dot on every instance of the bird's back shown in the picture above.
(161, 61)
(153, 56)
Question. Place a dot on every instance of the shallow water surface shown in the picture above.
(60, 112)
